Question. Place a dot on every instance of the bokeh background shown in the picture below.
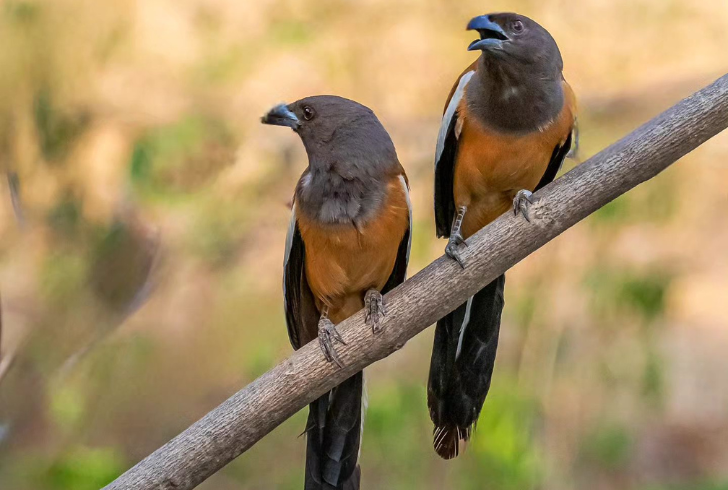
(141, 246)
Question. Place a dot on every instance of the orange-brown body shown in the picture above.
(343, 262)
(491, 167)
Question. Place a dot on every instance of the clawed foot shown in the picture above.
(374, 310)
(451, 250)
(327, 334)
(522, 202)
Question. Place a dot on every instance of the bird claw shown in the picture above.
(522, 202)
(451, 250)
(374, 310)
(327, 334)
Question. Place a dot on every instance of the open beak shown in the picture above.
(492, 35)
(281, 115)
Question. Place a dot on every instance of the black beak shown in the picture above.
(281, 115)
(491, 34)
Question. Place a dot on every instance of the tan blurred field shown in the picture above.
(132, 132)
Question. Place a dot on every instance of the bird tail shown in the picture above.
(333, 436)
(461, 368)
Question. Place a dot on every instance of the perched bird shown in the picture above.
(506, 129)
(348, 244)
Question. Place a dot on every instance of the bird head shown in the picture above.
(331, 124)
(514, 37)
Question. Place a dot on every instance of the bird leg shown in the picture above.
(374, 310)
(327, 333)
(456, 237)
(522, 202)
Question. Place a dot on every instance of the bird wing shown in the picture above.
(399, 273)
(557, 160)
(445, 154)
(564, 149)
(301, 313)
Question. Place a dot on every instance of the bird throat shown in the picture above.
(335, 199)
(511, 97)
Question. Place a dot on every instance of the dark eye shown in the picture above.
(308, 113)
(517, 26)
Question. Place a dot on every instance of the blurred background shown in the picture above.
(143, 221)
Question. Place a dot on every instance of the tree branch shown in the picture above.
(242, 420)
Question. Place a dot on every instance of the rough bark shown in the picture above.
(238, 423)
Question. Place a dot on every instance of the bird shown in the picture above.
(507, 126)
(347, 245)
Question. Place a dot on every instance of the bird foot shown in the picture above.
(327, 334)
(374, 310)
(522, 203)
(451, 250)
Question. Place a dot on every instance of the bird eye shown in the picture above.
(517, 26)
(308, 113)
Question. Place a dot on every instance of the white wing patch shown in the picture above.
(409, 208)
(466, 320)
(450, 112)
(364, 407)
(574, 150)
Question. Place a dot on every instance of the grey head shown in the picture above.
(519, 73)
(350, 158)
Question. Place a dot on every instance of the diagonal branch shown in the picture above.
(246, 417)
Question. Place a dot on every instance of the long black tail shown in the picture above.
(334, 434)
(462, 363)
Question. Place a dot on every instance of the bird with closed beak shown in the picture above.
(506, 129)
(348, 245)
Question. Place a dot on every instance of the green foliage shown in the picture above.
(110, 239)
(62, 277)
(57, 129)
(653, 377)
(291, 32)
(397, 434)
(645, 294)
(179, 158)
(84, 468)
(639, 293)
(216, 236)
(608, 446)
(654, 203)
(262, 360)
(613, 212)
(421, 245)
(65, 216)
(21, 12)
(657, 202)
(523, 308)
(503, 449)
(66, 406)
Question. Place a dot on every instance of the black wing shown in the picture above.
(301, 313)
(557, 160)
(399, 273)
(447, 148)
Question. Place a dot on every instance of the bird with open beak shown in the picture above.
(506, 129)
(348, 244)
